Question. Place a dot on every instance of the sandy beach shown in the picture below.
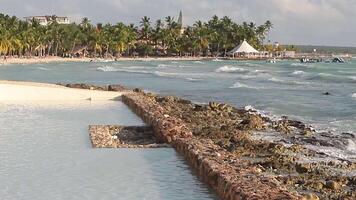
(52, 59)
(29, 91)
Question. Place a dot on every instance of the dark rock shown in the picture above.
(302, 168)
(333, 185)
(116, 88)
(138, 90)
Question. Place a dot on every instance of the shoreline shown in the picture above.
(54, 59)
(32, 91)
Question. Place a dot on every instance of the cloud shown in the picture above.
(325, 22)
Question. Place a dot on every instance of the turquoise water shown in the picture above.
(45, 153)
(285, 88)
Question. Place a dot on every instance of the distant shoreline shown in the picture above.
(52, 59)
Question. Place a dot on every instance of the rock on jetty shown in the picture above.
(226, 147)
(110, 136)
(228, 175)
(218, 141)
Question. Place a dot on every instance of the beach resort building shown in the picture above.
(47, 19)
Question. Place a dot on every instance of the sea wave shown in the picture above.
(297, 72)
(230, 69)
(353, 95)
(193, 79)
(242, 85)
(253, 65)
(164, 65)
(302, 65)
(135, 67)
(198, 62)
(43, 68)
(352, 78)
(166, 74)
(289, 82)
(107, 68)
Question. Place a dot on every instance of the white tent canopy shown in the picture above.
(244, 47)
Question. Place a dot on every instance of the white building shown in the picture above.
(47, 19)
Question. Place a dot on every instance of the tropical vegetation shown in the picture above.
(160, 38)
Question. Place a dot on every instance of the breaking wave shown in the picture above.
(43, 68)
(302, 65)
(193, 79)
(198, 62)
(242, 85)
(164, 65)
(276, 80)
(230, 69)
(352, 78)
(253, 65)
(298, 72)
(354, 95)
(107, 68)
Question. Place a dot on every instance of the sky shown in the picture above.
(309, 22)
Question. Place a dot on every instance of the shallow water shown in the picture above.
(45, 153)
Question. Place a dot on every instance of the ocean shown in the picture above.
(45, 148)
(284, 88)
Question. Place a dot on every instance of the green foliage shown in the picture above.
(164, 37)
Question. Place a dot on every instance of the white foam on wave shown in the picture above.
(352, 78)
(353, 95)
(107, 68)
(253, 65)
(351, 146)
(242, 85)
(188, 77)
(298, 72)
(193, 79)
(135, 67)
(164, 65)
(230, 69)
(165, 74)
(43, 68)
(126, 70)
(276, 80)
(302, 65)
(198, 62)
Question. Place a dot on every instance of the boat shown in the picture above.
(338, 60)
(310, 60)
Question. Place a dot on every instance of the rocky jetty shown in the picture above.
(110, 136)
(218, 141)
(113, 88)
